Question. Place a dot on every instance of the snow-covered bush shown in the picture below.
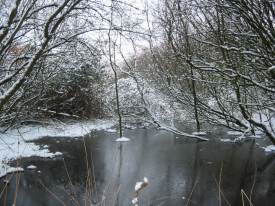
(139, 100)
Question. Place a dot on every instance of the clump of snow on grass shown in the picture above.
(140, 185)
(199, 133)
(145, 179)
(122, 139)
(270, 148)
(31, 167)
(135, 201)
(5, 169)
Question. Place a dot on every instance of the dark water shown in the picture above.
(180, 172)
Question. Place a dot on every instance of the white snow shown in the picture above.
(14, 145)
(5, 169)
(199, 133)
(145, 180)
(66, 130)
(31, 167)
(122, 139)
(270, 148)
(157, 103)
(226, 140)
(111, 130)
(135, 201)
(139, 185)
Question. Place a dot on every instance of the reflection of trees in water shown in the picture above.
(118, 178)
(239, 162)
(175, 168)
(246, 172)
(265, 182)
(194, 180)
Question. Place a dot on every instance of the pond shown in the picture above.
(97, 170)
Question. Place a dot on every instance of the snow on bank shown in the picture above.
(58, 129)
(199, 133)
(31, 167)
(14, 145)
(5, 169)
(270, 148)
(122, 139)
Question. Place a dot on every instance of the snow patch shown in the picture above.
(270, 148)
(57, 153)
(5, 169)
(145, 179)
(139, 185)
(31, 167)
(226, 140)
(65, 130)
(199, 133)
(122, 139)
(135, 201)
(111, 130)
(14, 142)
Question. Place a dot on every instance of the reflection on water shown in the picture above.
(96, 170)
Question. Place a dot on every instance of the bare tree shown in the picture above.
(36, 39)
(217, 57)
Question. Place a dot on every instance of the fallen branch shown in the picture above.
(178, 132)
(170, 129)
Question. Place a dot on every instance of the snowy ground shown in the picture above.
(13, 143)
